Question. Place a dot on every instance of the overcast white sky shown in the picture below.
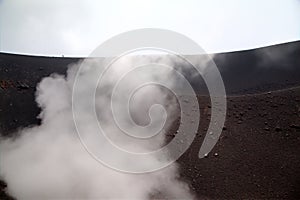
(76, 27)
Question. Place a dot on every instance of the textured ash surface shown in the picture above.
(258, 153)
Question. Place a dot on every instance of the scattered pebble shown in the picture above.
(295, 126)
(23, 86)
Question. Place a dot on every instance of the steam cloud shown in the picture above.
(49, 162)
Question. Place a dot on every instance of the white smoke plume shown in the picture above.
(48, 161)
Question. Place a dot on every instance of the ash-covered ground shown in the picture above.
(258, 153)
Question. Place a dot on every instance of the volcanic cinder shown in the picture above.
(258, 153)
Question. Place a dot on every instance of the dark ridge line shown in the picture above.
(257, 94)
(266, 93)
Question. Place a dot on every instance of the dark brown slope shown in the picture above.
(258, 154)
(243, 72)
(260, 70)
(255, 160)
(19, 76)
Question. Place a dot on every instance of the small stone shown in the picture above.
(278, 129)
(22, 86)
(216, 154)
(295, 126)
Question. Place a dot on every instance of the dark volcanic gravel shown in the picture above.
(258, 154)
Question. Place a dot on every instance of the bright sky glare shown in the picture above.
(76, 27)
